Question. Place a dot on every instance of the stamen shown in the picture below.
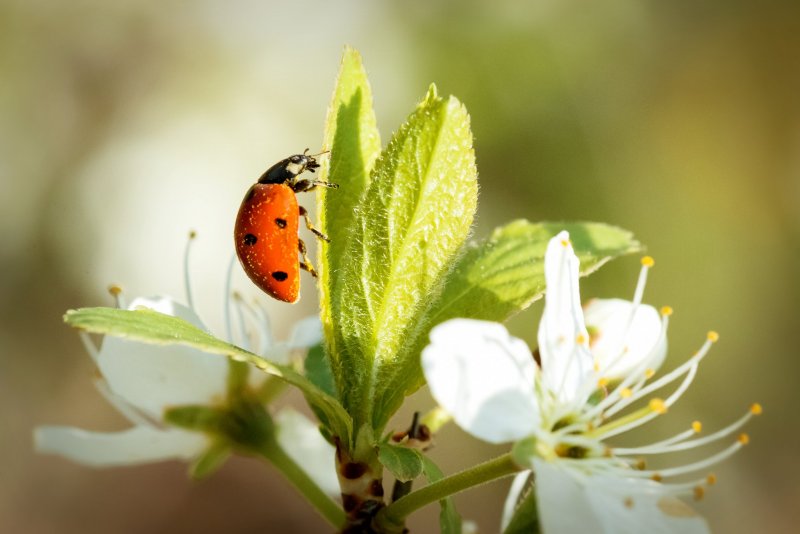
(227, 300)
(704, 464)
(662, 448)
(119, 298)
(186, 278)
(664, 380)
(666, 310)
(616, 395)
(645, 449)
(244, 335)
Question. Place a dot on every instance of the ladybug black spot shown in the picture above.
(280, 276)
(281, 223)
(250, 239)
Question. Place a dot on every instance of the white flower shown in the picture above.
(143, 380)
(595, 363)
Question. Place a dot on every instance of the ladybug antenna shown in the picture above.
(186, 278)
(317, 155)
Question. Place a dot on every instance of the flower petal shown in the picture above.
(153, 377)
(622, 338)
(563, 340)
(306, 333)
(572, 501)
(301, 440)
(137, 445)
(484, 377)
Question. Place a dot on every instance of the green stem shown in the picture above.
(326, 506)
(499, 467)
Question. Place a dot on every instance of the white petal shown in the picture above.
(153, 377)
(137, 445)
(484, 377)
(624, 339)
(306, 333)
(301, 440)
(563, 340)
(570, 501)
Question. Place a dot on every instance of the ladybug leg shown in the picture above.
(305, 263)
(304, 215)
(304, 185)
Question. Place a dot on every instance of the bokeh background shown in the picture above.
(125, 124)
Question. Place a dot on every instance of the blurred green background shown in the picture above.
(123, 125)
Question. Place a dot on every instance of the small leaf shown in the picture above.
(198, 418)
(212, 459)
(318, 370)
(404, 463)
(526, 517)
(449, 519)
(409, 225)
(148, 326)
(351, 135)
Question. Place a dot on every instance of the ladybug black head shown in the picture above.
(288, 169)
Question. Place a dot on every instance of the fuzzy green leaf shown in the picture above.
(148, 326)
(351, 135)
(504, 274)
(404, 463)
(409, 226)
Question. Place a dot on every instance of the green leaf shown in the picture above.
(449, 519)
(197, 418)
(351, 135)
(148, 326)
(526, 517)
(403, 462)
(318, 370)
(505, 274)
(211, 460)
(409, 226)
(494, 279)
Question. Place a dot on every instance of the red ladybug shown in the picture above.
(266, 227)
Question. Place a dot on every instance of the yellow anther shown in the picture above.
(648, 261)
(115, 290)
(649, 373)
(699, 493)
(603, 382)
(641, 465)
(596, 366)
(713, 336)
(192, 234)
(666, 311)
(656, 477)
(625, 392)
(564, 242)
(658, 406)
(744, 439)
(697, 426)
(581, 339)
(711, 479)
(756, 409)
(628, 502)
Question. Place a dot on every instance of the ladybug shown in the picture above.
(265, 234)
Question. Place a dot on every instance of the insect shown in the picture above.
(266, 231)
